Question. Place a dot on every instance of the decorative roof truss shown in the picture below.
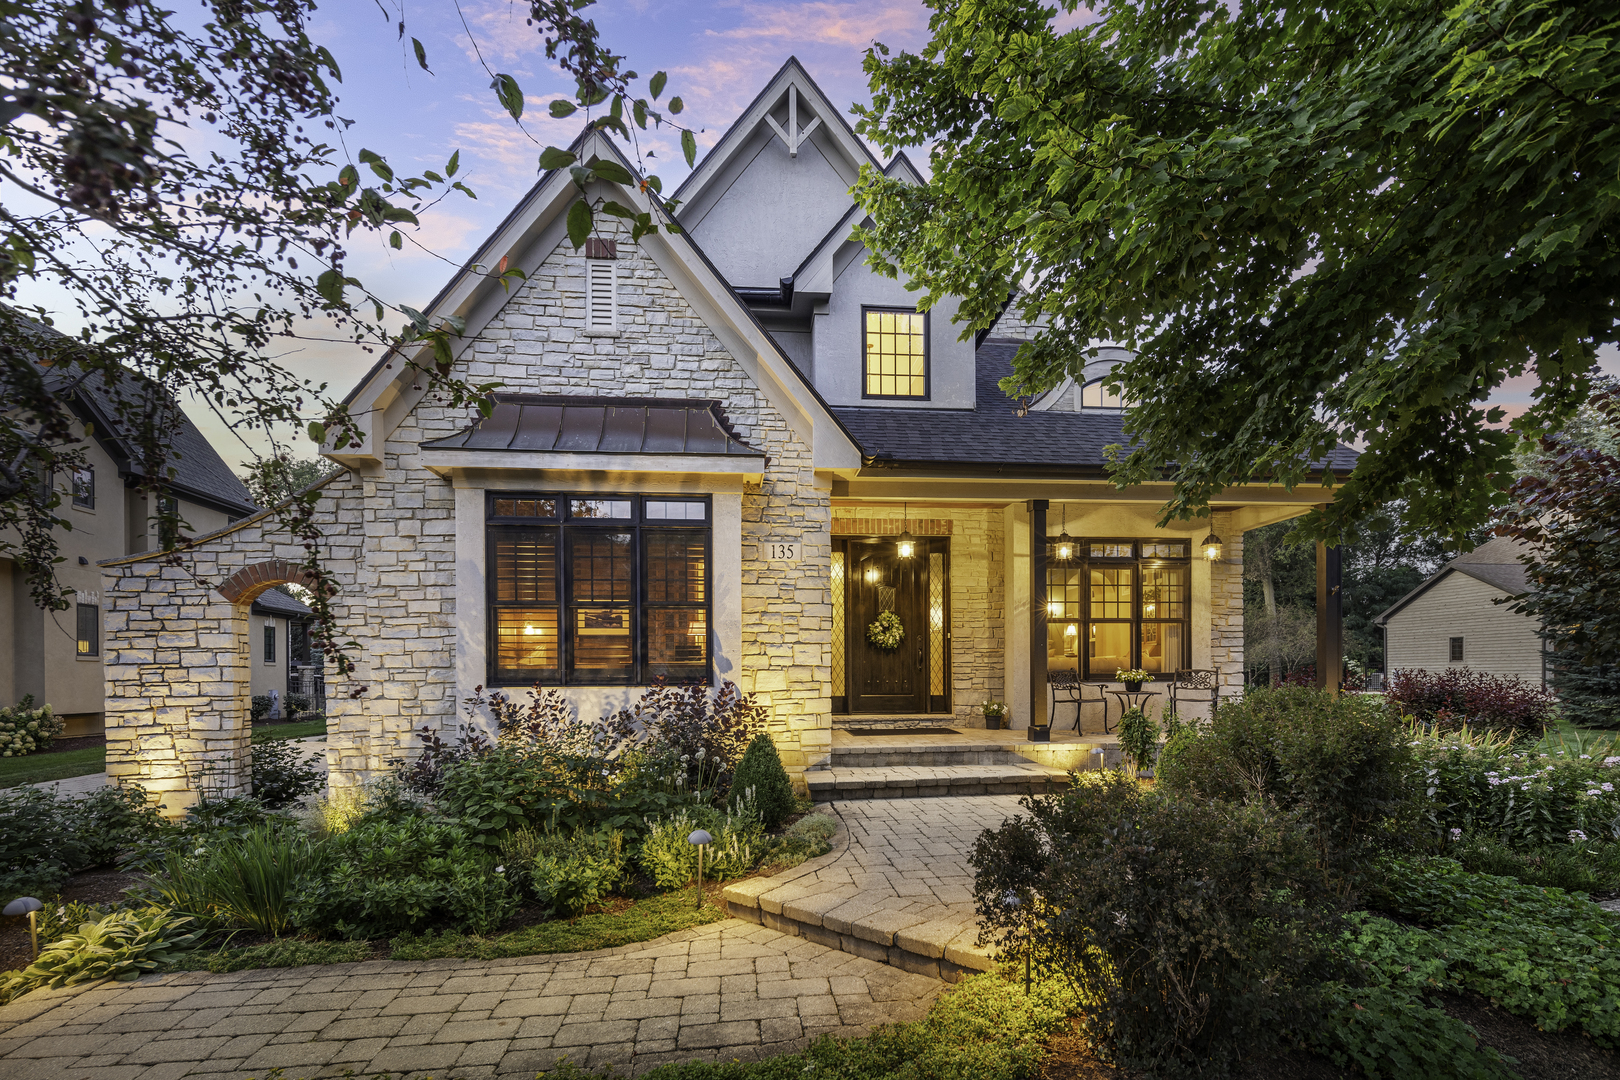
(794, 135)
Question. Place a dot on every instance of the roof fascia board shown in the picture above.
(839, 134)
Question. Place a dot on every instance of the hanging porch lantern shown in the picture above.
(1212, 547)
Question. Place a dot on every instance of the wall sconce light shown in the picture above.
(874, 576)
(1212, 547)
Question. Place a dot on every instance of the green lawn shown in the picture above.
(43, 768)
(302, 730)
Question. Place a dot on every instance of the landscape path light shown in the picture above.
(1013, 903)
(700, 840)
(27, 905)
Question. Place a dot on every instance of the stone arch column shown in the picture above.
(179, 681)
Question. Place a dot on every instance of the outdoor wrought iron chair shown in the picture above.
(1195, 684)
(1068, 688)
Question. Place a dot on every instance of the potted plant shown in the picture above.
(994, 713)
(1133, 678)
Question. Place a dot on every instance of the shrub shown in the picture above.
(761, 773)
(1138, 740)
(244, 881)
(1340, 762)
(27, 730)
(282, 775)
(259, 708)
(382, 878)
(670, 859)
(121, 946)
(570, 873)
(707, 731)
(1478, 786)
(1192, 929)
(805, 839)
(46, 836)
(1456, 697)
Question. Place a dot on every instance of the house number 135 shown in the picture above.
(782, 552)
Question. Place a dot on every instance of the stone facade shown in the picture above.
(178, 649)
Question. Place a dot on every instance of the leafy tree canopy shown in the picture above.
(1315, 223)
(280, 476)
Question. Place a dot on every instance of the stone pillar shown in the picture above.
(1226, 606)
(1037, 614)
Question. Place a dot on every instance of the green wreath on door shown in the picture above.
(886, 631)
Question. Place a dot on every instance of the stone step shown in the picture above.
(913, 782)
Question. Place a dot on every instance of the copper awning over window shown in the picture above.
(600, 425)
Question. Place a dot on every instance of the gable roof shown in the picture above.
(526, 237)
(276, 603)
(199, 473)
(1496, 563)
(791, 73)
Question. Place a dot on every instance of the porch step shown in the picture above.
(920, 782)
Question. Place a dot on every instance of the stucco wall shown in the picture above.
(840, 349)
(1495, 639)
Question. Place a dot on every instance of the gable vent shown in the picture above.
(601, 295)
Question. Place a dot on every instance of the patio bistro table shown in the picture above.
(1125, 698)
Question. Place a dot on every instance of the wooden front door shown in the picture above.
(887, 680)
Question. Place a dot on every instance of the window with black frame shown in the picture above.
(598, 589)
(1119, 604)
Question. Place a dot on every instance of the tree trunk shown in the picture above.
(1269, 591)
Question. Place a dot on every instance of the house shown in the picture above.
(1457, 618)
(280, 646)
(57, 656)
(719, 454)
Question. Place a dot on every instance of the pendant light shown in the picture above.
(1065, 543)
(907, 544)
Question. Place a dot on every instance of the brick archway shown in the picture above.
(244, 586)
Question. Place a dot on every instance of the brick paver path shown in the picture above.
(723, 991)
(900, 888)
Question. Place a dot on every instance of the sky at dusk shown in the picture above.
(718, 56)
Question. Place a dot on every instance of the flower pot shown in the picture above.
(1133, 688)
(1040, 734)
(992, 723)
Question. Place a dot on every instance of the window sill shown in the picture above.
(604, 333)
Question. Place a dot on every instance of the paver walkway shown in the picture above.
(728, 990)
(898, 888)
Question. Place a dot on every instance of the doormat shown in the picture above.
(869, 731)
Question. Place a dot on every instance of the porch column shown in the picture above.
(1329, 619)
(1037, 613)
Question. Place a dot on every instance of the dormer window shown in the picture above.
(1096, 395)
(896, 341)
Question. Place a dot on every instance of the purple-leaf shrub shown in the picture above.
(1449, 699)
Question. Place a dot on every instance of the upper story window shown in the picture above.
(896, 351)
(84, 486)
(1095, 395)
(89, 618)
(592, 589)
(1119, 604)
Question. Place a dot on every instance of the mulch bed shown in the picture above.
(1540, 1055)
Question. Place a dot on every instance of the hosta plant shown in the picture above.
(121, 946)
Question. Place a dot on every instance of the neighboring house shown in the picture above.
(716, 455)
(57, 656)
(280, 631)
(1456, 618)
